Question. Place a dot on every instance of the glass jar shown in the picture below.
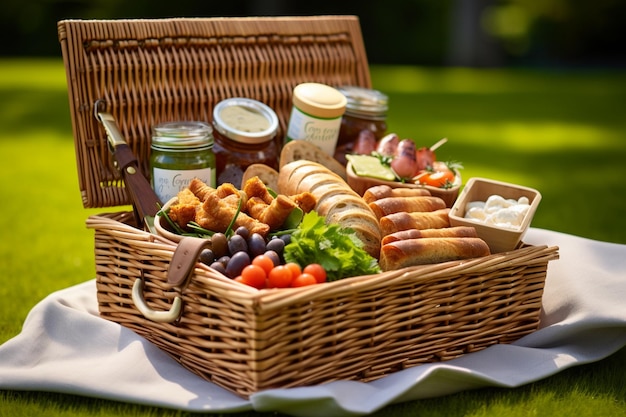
(244, 135)
(366, 109)
(316, 115)
(180, 152)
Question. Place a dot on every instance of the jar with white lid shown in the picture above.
(244, 135)
(316, 115)
(180, 152)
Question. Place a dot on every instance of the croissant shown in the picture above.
(273, 214)
(254, 187)
(200, 189)
(306, 201)
(216, 214)
(228, 189)
(184, 211)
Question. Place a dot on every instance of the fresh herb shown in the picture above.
(174, 226)
(337, 249)
(199, 231)
(385, 160)
(193, 228)
(454, 166)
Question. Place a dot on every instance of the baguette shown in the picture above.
(382, 191)
(411, 252)
(291, 175)
(390, 205)
(454, 231)
(396, 222)
(303, 150)
(335, 200)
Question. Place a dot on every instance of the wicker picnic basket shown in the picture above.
(243, 339)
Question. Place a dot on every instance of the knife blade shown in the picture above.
(145, 201)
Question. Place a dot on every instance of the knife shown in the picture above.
(146, 203)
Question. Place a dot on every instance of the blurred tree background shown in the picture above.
(474, 33)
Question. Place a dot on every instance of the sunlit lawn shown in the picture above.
(563, 133)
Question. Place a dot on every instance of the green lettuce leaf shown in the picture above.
(337, 249)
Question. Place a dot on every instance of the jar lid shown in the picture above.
(320, 100)
(364, 100)
(245, 120)
(182, 135)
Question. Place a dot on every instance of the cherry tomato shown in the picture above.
(254, 276)
(264, 262)
(317, 271)
(303, 280)
(294, 268)
(279, 277)
(439, 179)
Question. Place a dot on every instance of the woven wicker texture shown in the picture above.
(245, 340)
(361, 328)
(152, 71)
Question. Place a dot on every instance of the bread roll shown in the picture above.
(395, 222)
(455, 231)
(267, 174)
(411, 252)
(382, 191)
(303, 150)
(335, 200)
(390, 205)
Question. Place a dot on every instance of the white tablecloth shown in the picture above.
(66, 347)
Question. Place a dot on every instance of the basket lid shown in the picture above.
(151, 71)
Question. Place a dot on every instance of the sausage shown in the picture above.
(404, 162)
(365, 143)
(388, 144)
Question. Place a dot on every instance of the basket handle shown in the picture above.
(179, 274)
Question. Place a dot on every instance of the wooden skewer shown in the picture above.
(438, 144)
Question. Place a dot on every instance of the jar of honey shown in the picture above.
(244, 131)
(366, 109)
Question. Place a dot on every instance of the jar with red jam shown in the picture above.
(366, 109)
(244, 131)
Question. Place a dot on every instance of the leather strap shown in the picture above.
(184, 260)
(145, 201)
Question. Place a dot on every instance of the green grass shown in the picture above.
(563, 133)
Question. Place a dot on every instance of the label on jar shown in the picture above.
(168, 183)
(321, 132)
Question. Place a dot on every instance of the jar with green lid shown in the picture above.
(180, 152)
(366, 109)
(244, 131)
(316, 115)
